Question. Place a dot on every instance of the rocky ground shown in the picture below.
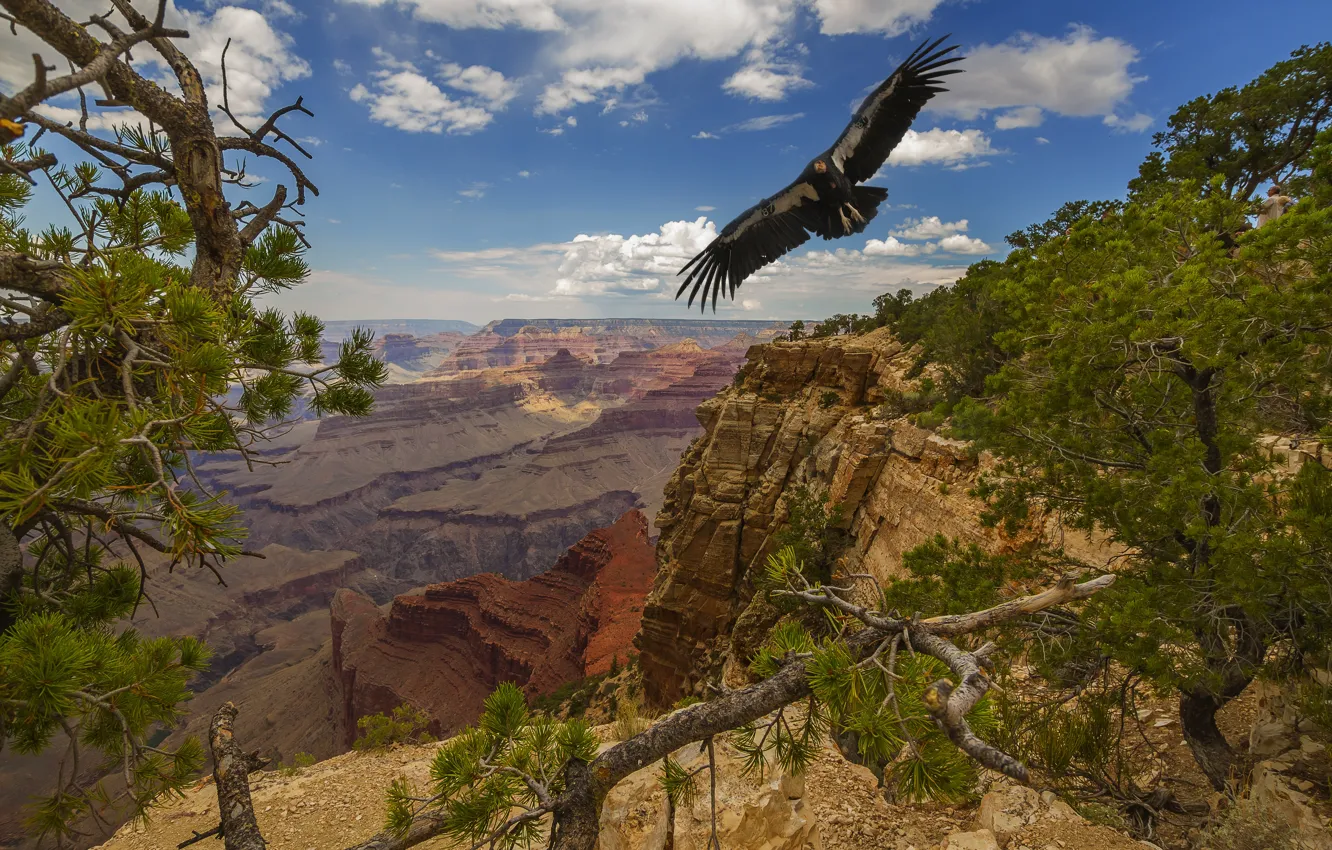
(836, 806)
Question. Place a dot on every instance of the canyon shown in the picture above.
(497, 470)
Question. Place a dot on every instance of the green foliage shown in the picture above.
(575, 695)
(142, 369)
(299, 761)
(476, 777)
(852, 697)
(828, 399)
(949, 577)
(406, 724)
(812, 532)
(1247, 826)
(1261, 132)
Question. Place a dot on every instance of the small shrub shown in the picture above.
(301, 760)
(628, 721)
(407, 724)
(1247, 827)
(828, 399)
(943, 488)
(615, 666)
(686, 701)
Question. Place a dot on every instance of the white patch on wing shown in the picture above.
(868, 110)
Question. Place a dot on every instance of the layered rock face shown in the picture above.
(800, 413)
(446, 649)
(517, 342)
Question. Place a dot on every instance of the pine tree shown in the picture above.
(131, 342)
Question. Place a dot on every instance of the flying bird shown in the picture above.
(825, 199)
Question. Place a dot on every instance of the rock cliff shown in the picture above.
(809, 412)
(444, 650)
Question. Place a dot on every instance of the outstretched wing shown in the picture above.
(755, 238)
(885, 116)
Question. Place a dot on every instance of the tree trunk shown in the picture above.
(231, 769)
(578, 816)
(1211, 750)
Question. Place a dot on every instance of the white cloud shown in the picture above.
(1041, 140)
(260, 60)
(764, 76)
(585, 85)
(1020, 117)
(401, 96)
(764, 122)
(611, 263)
(704, 134)
(486, 83)
(947, 147)
(335, 221)
(891, 247)
(1133, 124)
(341, 67)
(960, 244)
(751, 304)
(481, 14)
(705, 208)
(571, 121)
(929, 227)
(554, 131)
(1079, 74)
(475, 191)
(524, 173)
(891, 17)
(408, 101)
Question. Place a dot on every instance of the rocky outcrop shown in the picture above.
(444, 650)
(808, 412)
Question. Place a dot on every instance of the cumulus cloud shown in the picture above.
(400, 95)
(893, 247)
(611, 263)
(961, 244)
(751, 304)
(475, 191)
(1078, 74)
(1135, 123)
(704, 134)
(524, 173)
(485, 83)
(764, 76)
(601, 49)
(929, 227)
(957, 148)
(1041, 140)
(1022, 116)
(891, 17)
(480, 14)
(705, 208)
(763, 122)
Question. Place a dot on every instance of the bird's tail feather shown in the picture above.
(867, 200)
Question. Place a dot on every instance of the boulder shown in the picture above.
(981, 839)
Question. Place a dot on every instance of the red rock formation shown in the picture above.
(445, 650)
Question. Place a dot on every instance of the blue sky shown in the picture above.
(481, 159)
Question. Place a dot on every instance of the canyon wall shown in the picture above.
(445, 649)
(808, 412)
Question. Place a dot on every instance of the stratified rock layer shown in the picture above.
(806, 412)
(446, 649)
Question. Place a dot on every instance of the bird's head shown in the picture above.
(820, 167)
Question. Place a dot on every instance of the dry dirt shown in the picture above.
(339, 802)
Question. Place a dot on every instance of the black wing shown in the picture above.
(755, 238)
(885, 116)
